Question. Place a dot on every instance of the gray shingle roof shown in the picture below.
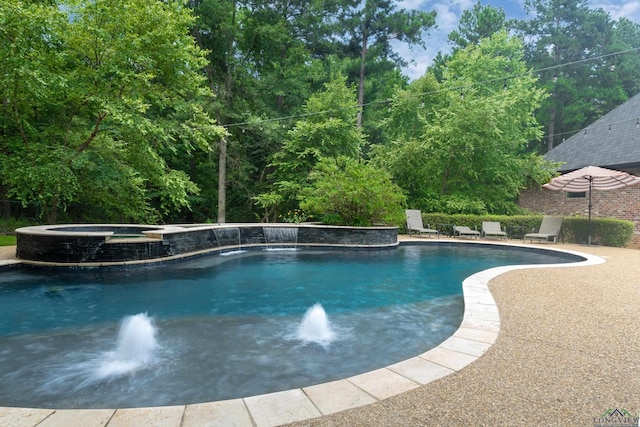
(612, 141)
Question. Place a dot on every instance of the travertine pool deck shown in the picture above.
(558, 346)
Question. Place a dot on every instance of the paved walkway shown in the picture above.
(566, 353)
(7, 253)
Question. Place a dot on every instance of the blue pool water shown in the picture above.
(226, 325)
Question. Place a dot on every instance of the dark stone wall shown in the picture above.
(191, 241)
(58, 248)
(132, 251)
(252, 235)
(347, 236)
(84, 249)
(62, 245)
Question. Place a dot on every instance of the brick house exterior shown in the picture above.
(613, 142)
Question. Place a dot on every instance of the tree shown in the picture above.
(348, 191)
(372, 28)
(95, 95)
(626, 38)
(327, 131)
(469, 153)
(475, 24)
(571, 44)
(262, 64)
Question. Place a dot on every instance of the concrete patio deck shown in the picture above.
(565, 353)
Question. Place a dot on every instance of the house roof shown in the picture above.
(612, 141)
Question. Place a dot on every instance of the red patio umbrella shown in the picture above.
(591, 178)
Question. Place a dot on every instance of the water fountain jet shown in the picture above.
(315, 326)
(136, 345)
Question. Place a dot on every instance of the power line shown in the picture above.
(423, 94)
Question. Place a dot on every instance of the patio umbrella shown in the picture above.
(591, 178)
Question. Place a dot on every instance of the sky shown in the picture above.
(449, 12)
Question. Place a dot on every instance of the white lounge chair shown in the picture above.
(414, 223)
(463, 230)
(493, 229)
(550, 228)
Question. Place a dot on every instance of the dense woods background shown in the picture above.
(223, 110)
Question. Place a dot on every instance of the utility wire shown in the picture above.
(423, 94)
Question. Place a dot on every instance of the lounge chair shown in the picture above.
(414, 223)
(493, 229)
(463, 230)
(550, 228)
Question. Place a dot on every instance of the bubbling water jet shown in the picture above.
(315, 326)
(136, 344)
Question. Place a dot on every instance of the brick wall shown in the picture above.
(623, 204)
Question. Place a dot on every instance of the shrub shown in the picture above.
(604, 231)
(452, 203)
(347, 191)
(9, 225)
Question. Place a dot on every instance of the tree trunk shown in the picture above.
(552, 125)
(554, 95)
(231, 40)
(363, 57)
(52, 212)
(222, 180)
(222, 152)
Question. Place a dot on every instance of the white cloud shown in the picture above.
(419, 59)
(449, 15)
(411, 4)
(447, 19)
(629, 9)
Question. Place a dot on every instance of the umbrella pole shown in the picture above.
(589, 223)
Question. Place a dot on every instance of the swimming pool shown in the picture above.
(226, 324)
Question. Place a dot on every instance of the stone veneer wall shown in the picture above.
(89, 245)
(620, 204)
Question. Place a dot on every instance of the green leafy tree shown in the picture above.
(263, 63)
(626, 38)
(348, 191)
(371, 28)
(327, 131)
(475, 24)
(572, 43)
(95, 94)
(469, 153)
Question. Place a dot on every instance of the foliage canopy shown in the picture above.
(348, 191)
(174, 111)
(467, 149)
(94, 96)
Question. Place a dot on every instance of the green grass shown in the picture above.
(7, 240)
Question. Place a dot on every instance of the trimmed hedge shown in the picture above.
(604, 231)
